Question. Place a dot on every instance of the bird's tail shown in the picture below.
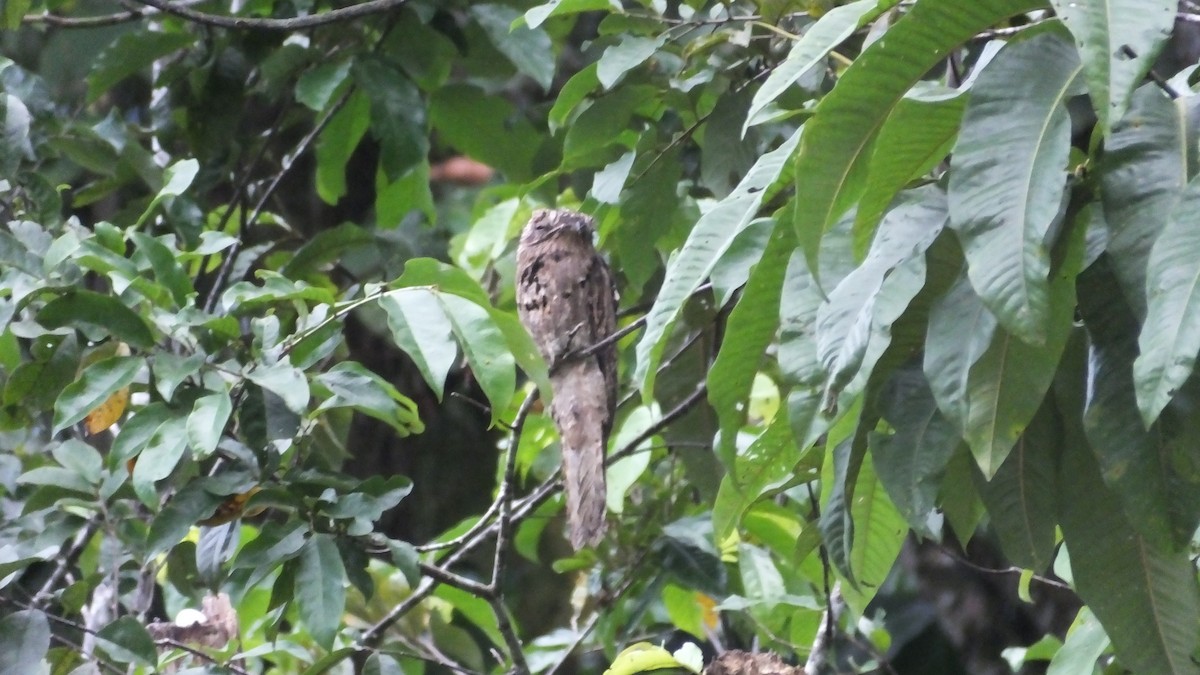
(583, 473)
(580, 410)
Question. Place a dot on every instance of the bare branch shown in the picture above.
(257, 23)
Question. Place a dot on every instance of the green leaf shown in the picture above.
(912, 461)
(1118, 41)
(992, 395)
(190, 504)
(88, 309)
(127, 641)
(337, 142)
(915, 138)
(245, 296)
(853, 326)
(761, 580)
(1003, 210)
(821, 38)
(1141, 465)
(879, 532)
(324, 247)
(528, 48)
(137, 430)
(750, 328)
(1170, 335)
(158, 459)
(1020, 498)
(80, 458)
(1086, 642)
(485, 348)
(99, 381)
(608, 183)
(838, 138)
(606, 122)
(320, 588)
(129, 54)
(397, 115)
(272, 546)
(1147, 599)
(485, 128)
(623, 56)
(315, 88)
(535, 16)
(764, 467)
(24, 641)
(176, 178)
(421, 328)
(14, 14)
(285, 381)
(381, 664)
(574, 92)
(1144, 168)
(167, 270)
(352, 385)
(706, 243)
(960, 332)
(207, 422)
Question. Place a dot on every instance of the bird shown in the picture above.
(566, 299)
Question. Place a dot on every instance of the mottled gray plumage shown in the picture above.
(567, 301)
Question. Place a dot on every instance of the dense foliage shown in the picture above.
(891, 272)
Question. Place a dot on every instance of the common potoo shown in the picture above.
(567, 301)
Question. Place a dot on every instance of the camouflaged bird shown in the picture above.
(567, 301)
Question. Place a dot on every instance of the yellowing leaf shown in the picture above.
(231, 509)
(708, 607)
(104, 415)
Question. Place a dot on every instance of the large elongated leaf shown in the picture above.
(916, 137)
(1170, 335)
(751, 327)
(1004, 384)
(320, 588)
(1002, 204)
(1141, 465)
(822, 37)
(1020, 498)
(828, 175)
(911, 462)
(1118, 40)
(1147, 600)
(879, 532)
(856, 308)
(1147, 160)
(713, 233)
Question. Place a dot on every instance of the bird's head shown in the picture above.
(548, 223)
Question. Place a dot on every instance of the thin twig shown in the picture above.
(113, 19)
(1162, 83)
(287, 25)
(66, 559)
(507, 485)
(504, 624)
(1005, 570)
(457, 581)
(675, 413)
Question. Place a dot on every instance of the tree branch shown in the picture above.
(258, 23)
